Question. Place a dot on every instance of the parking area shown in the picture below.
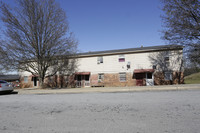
(137, 112)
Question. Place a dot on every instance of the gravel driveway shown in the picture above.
(135, 112)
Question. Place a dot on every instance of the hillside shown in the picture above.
(193, 78)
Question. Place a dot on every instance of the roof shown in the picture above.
(82, 73)
(143, 70)
(132, 50)
(9, 77)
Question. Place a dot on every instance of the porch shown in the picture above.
(82, 79)
(144, 77)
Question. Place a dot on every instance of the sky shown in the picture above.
(113, 24)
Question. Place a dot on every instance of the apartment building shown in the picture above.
(155, 65)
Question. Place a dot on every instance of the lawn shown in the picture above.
(192, 79)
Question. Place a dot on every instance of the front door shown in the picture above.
(149, 79)
(140, 79)
(82, 80)
(34, 81)
(87, 80)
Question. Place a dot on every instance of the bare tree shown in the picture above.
(1, 60)
(37, 38)
(182, 25)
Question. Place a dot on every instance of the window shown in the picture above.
(66, 78)
(121, 58)
(154, 67)
(168, 76)
(167, 61)
(149, 75)
(122, 77)
(25, 79)
(100, 77)
(99, 60)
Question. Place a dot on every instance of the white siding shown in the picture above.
(24, 73)
(111, 63)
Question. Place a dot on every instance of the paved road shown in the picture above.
(131, 112)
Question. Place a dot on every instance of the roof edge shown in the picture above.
(131, 50)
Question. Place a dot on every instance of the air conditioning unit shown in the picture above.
(129, 65)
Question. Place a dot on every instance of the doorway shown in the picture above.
(35, 79)
(82, 80)
(149, 79)
(140, 79)
(144, 77)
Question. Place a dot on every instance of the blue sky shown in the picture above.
(113, 24)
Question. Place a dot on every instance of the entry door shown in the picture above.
(35, 81)
(149, 79)
(140, 78)
(87, 80)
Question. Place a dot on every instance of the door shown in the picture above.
(82, 80)
(140, 79)
(149, 79)
(87, 80)
(34, 81)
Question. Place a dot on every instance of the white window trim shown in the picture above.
(102, 77)
(25, 79)
(122, 77)
(99, 59)
(121, 57)
(169, 74)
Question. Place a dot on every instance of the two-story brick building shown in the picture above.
(154, 65)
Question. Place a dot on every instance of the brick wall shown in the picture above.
(60, 81)
(112, 80)
(26, 85)
(177, 78)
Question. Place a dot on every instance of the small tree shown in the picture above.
(182, 25)
(37, 38)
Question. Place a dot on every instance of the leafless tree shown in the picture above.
(182, 25)
(3, 59)
(38, 39)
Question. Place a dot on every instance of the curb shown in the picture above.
(110, 89)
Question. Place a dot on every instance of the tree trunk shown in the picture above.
(41, 83)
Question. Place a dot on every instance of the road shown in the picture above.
(130, 112)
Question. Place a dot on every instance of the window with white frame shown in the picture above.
(121, 58)
(67, 79)
(100, 60)
(100, 77)
(167, 61)
(154, 66)
(167, 58)
(168, 76)
(122, 77)
(25, 79)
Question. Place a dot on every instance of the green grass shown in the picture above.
(193, 78)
